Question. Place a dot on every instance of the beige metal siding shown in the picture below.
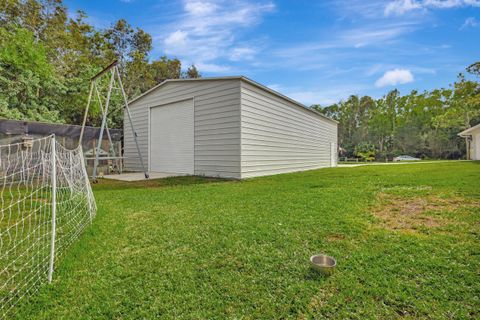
(217, 124)
(279, 136)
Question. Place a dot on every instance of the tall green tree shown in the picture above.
(28, 86)
(47, 57)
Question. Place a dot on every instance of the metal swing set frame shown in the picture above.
(114, 75)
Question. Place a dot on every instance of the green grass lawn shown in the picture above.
(406, 239)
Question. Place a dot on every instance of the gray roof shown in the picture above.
(242, 78)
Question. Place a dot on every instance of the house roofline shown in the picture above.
(241, 78)
(467, 132)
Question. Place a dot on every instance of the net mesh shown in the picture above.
(27, 174)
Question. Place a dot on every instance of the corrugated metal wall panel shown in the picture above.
(279, 136)
(216, 125)
(241, 130)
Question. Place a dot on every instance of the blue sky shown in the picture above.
(313, 51)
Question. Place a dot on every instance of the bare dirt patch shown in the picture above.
(411, 213)
(335, 237)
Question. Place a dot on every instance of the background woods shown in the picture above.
(422, 124)
(47, 57)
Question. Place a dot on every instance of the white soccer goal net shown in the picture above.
(46, 202)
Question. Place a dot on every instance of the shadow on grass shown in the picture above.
(108, 184)
(314, 275)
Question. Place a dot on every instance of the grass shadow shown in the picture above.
(108, 184)
(313, 274)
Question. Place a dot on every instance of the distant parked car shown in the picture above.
(406, 158)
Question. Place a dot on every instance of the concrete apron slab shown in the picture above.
(138, 176)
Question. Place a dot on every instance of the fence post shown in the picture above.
(70, 160)
(84, 164)
(54, 208)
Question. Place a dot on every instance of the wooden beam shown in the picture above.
(110, 66)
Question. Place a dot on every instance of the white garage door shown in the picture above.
(171, 138)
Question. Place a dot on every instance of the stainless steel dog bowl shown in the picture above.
(322, 263)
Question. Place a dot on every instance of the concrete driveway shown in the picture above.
(138, 176)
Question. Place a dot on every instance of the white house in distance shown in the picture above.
(472, 136)
(230, 127)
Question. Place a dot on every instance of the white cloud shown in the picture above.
(208, 31)
(374, 35)
(395, 77)
(381, 68)
(400, 7)
(447, 4)
(177, 39)
(199, 8)
(470, 22)
(242, 53)
(355, 9)
(322, 53)
(212, 67)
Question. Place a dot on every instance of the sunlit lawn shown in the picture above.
(406, 238)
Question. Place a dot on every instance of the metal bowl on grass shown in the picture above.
(324, 264)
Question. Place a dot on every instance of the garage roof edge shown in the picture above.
(242, 78)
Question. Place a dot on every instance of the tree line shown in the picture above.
(48, 56)
(422, 124)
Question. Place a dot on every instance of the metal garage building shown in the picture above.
(227, 127)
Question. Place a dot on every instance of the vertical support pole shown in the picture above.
(70, 160)
(111, 149)
(102, 128)
(92, 83)
(134, 133)
(120, 159)
(85, 175)
(54, 208)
